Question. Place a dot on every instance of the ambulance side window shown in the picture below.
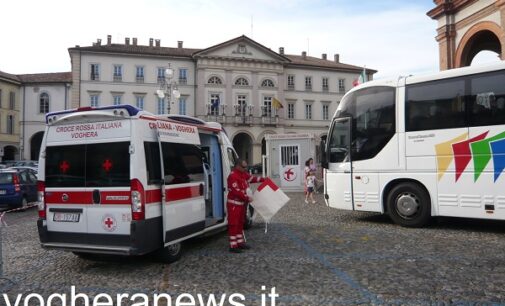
(183, 163)
(153, 163)
(232, 157)
(65, 166)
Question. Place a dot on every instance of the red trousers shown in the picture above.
(235, 224)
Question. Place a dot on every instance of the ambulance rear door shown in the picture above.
(183, 189)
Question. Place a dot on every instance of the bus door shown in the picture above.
(338, 186)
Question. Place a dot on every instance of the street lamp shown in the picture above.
(168, 88)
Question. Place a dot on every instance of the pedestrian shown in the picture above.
(310, 183)
(236, 203)
(309, 164)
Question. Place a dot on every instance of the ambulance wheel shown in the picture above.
(409, 205)
(171, 253)
(249, 217)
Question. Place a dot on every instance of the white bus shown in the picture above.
(421, 146)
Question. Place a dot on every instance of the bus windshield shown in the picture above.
(372, 111)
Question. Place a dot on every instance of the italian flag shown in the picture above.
(361, 78)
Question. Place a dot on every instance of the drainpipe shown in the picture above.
(24, 123)
(66, 93)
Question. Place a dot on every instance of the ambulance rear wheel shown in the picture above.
(249, 217)
(171, 253)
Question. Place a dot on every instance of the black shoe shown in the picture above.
(235, 250)
(244, 246)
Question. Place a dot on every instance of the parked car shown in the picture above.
(26, 163)
(35, 170)
(17, 188)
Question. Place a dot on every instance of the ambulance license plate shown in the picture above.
(66, 217)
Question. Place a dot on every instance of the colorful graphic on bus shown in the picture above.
(463, 150)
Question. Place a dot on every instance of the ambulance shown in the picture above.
(119, 180)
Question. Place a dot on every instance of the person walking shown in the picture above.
(236, 203)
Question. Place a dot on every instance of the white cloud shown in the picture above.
(393, 41)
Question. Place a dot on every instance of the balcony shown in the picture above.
(117, 78)
(269, 116)
(139, 79)
(94, 77)
(291, 86)
(308, 87)
(183, 81)
(243, 114)
(325, 88)
(216, 114)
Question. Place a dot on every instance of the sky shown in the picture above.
(395, 37)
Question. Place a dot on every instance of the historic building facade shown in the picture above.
(10, 87)
(466, 27)
(40, 93)
(240, 83)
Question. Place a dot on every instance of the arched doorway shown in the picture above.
(242, 143)
(35, 143)
(10, 153)
(484, 36)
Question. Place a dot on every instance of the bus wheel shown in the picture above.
(409, 205)
(249, 217)
(171, 253)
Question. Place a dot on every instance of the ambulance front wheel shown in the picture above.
(171, 253)
(249, 217)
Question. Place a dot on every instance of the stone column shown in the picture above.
(446, 39)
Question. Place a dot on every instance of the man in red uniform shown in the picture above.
(238, 182)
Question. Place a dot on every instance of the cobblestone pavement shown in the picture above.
(311, 254)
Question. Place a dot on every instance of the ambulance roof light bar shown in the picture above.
(132, 111)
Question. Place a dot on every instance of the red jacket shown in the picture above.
(237, 186)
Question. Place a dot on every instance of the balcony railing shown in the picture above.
(291, 86)
(243, 114)
(183, 81)
(139, 79)
(325, 88)
(117, 78)
(217, 114)
(308, 86)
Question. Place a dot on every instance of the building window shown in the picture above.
(95, 72)
(10, 124)
(93, 100)
(291, 111)
(215, 80)
(267, 83)
(308, 111)
(214, 104)
(44, 103)
(267, 106)
(139, 74)
(241, 105)
(161, 75)
(1, 98)
(291, 82)
(139, 101)
(241, 82)
(341, 85)
(325, 84)
(118, 73)
(183, 76)
(182, 106)
(116, 99)
(12, 100)
(308, 83)
(161, 106)
(326, 109)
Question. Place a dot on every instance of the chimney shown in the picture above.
(127, 41)
(98, 42)
(324, 56)
(158, 42)
(281, 50)
(134, 41)
(304, 54)
(179, 44)
(337, 58)
(109, 40)
(151, 42)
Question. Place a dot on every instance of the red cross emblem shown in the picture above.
(289, 175)
(64, 166)
(109, 223)
(107, 165)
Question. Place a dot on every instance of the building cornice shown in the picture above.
(447, 7)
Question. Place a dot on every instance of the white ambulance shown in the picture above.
(119, 180)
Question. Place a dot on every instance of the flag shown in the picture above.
(215, 103)
(268, 199)
(360, 79)
(276, 103)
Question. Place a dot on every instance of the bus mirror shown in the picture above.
(323, 156)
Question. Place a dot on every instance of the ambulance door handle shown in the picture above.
(201, 189)
(96, 196)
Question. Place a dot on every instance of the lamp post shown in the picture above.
(168, 88)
